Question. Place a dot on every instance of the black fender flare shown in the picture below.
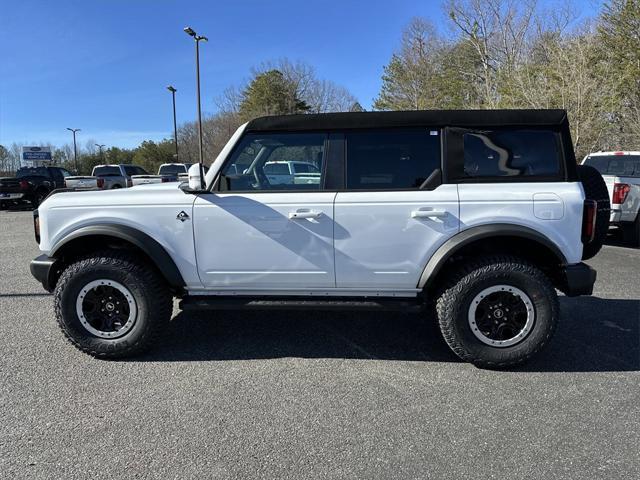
(465, 237)
(144, 242)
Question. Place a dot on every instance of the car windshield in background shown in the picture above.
(620, 165)
(106, 172)
(172, 170)
(32, 172)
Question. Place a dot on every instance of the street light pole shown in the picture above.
(75, 150)
(189, 31)
(100, 149)
(175, 124)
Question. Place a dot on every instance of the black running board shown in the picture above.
(299, 303)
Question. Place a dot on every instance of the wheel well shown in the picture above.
(535, 252)
(87, 244)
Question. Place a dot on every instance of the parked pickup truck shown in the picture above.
(168, 172)
(32, 184)
(106, 177)
(292, 173)
(621, 173)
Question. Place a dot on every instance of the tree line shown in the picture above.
(490, 54)
(515, 54)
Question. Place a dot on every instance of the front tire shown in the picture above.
(497, 312)
(110, 305)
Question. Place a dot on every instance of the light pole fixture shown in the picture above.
(75, 150)
(189, 31)
(100, 147)
(175, 124)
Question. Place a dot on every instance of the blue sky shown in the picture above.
(103, 65)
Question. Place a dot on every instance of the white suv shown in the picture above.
(474, 217)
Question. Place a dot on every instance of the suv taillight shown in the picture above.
(36, 224)
(100, 182)
(589, 215)
(620, 192)
(24, 185)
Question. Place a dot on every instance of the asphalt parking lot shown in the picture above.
(317, 395)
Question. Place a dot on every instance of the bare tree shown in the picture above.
(498, 31)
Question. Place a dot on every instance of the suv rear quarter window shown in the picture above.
(508, 154)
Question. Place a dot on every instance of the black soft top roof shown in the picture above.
(412, 118)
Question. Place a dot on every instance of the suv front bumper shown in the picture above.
(42, 269)
(578, 279)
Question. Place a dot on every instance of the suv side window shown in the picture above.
(260, 155)
(391, 160)
(511, 153)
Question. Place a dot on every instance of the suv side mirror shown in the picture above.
(195, 181)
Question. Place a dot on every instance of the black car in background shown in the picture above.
(31, 184)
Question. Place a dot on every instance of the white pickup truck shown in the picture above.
(105, 177)
(168, 172)
(621, 173)
(292, 172)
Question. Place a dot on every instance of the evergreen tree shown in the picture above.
(269, 93)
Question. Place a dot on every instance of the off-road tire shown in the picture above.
(595, 188)
(461, 287)
(153, 299)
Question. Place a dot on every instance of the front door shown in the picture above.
(255, 235)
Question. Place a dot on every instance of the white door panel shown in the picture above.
(559, 207)
(384, 239)
(265, 240)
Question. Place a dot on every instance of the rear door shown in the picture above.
(394, 212)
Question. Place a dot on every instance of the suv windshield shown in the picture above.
(621, 165)
(31, 172)
(106, 172)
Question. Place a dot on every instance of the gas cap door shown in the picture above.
(548, 206)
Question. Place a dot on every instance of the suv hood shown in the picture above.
(156, 194)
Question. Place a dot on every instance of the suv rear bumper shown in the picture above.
(578, 279)
(42, 269)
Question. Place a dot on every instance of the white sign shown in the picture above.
(35, 156)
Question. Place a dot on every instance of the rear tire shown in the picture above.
(497, 312)
(595, 188)
(38, 198)
(110, 305)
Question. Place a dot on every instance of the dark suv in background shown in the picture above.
(31, 184)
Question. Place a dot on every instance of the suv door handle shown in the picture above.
(304, 214)
(428, 213)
